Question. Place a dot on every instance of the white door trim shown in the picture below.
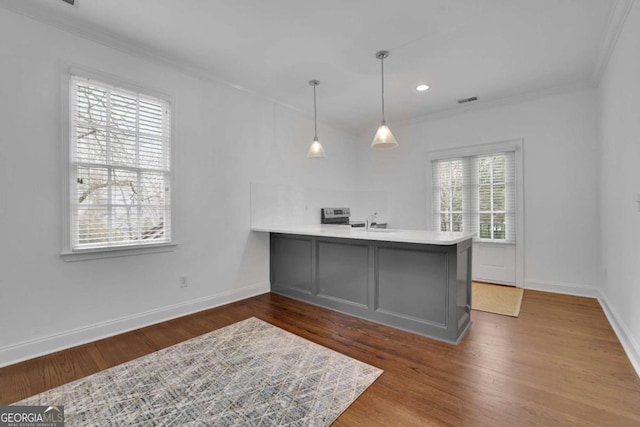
(515, 145)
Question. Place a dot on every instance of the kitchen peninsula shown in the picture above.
(415, 280)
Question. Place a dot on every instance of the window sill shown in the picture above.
(493, 241)
(100, 253)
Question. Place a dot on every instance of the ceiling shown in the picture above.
(493, 49)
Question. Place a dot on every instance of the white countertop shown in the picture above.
(382, 234)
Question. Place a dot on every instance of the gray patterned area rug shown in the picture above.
(250, 373)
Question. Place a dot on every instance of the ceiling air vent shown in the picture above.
(464, 101)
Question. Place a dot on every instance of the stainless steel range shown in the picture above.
(338, 216)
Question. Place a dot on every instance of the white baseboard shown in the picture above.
(562, 288)
(37, 347)
(629, 344)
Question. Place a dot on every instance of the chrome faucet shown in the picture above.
(371, 221)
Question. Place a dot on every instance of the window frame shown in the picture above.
(492, 211)
(515, 145)
(471, 203)
(450, 210)
(68, 253)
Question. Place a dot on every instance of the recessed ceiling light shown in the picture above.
(422, 88)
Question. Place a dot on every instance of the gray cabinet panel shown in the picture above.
(342, 271)
(463, 284)
(420, 288)
(463, 296)
(291, 263)
(412, 283)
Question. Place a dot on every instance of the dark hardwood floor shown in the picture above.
(559, 363)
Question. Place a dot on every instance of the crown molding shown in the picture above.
(125, 45)
(617, 18)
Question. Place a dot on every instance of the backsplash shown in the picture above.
(280, 204)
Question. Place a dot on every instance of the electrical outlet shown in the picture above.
(184, 282)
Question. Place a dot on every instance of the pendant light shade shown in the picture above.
(383, 138)
(315, 151)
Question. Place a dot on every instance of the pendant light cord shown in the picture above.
(315, 120)
(382, 81)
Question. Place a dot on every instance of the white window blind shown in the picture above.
(476, 194)
(120, 166)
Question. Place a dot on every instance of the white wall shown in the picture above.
(560, 179)
(620, 185)
(223, 140)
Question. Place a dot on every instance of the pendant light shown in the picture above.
(315, 151)
(384, 138)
